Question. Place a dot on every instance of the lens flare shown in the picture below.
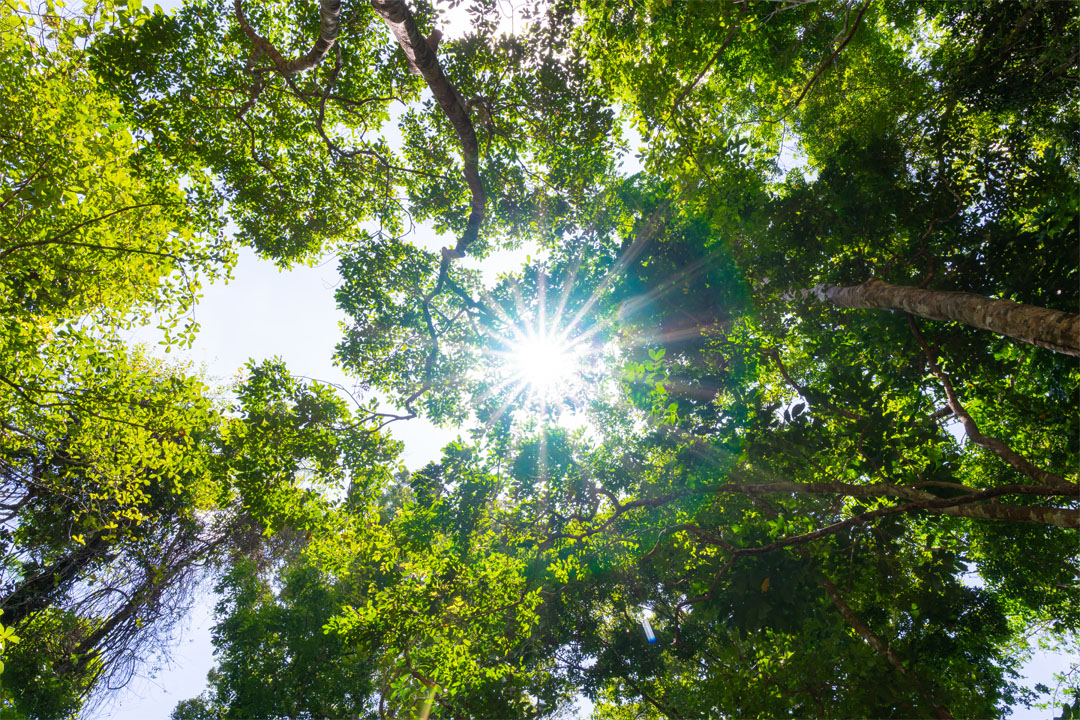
(544, 362)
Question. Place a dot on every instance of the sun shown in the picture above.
(546, 358)
(544, 362)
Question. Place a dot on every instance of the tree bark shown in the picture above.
(1052, 329)
(1057, 517)
(396, 14)
(40, 591)
(329, 26)
(929, 502)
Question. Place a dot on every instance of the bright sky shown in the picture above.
(261, 314)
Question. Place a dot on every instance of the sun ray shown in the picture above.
(643, 237)
(504, 408)
(564, 296)
(659, 291)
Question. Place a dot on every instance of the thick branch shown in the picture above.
(396, 14)
(421, 58)
(1051, 329)
(1058, 517)
(329, 26)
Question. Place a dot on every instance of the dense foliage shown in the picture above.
(752, 493)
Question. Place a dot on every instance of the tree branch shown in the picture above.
(396, 14)
(55, 239)
(421, 56)
(881, 647)
(716, 56)
(329, 26)
(824, 65)
(992, 444)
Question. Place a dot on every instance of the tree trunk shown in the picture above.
(41, 590)
(1051, 329)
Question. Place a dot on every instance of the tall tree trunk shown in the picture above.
(41, 590)
(1051, 329)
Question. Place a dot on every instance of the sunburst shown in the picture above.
(540, 362)
(544, 362)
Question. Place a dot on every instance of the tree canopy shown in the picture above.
(782, 425)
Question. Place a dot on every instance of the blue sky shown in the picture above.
(261, 314)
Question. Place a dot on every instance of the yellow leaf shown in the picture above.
(765, 585)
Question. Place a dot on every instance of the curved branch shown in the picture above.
(774, 354)
(872, 639)
(396, 14)
(992, 444)
(716, 56)
(55, 239)
(329, 26)
(826, 64)
(26, 181)
(420, 55)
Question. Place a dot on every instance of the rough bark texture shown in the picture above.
(329, 26)
(1051, 329)
(419, 54)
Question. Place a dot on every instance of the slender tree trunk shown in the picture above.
(880, 646)
(39, 591)
(1051, 329)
